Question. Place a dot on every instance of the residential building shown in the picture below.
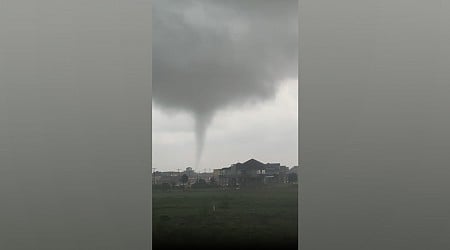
(251, 172)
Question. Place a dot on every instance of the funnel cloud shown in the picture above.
(215, 55)
(201, 124)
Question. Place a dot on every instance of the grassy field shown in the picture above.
(213, 218)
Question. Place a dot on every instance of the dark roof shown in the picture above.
(253, 162)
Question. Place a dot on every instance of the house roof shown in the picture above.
(252, 162)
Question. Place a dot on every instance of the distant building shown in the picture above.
(170, 177)
(189, 172)
(205, 176)
(251, 172)
(174, 178)
(216, 174)
(294, 169)
(248, 173)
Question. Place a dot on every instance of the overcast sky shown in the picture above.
(224, 83)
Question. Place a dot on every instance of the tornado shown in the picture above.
(209, 56)
(201, 125)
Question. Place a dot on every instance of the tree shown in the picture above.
(292, 177)
(212, 180)
(184, 179)
(201, 182)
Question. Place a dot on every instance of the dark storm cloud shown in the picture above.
(209, 55)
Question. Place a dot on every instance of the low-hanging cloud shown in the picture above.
(209, 55)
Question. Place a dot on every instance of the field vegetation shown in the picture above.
(213, 218)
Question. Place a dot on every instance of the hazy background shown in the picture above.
(75, 87)
(374, 124)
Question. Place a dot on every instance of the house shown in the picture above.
(216, 174)
(174, 178)
(251, 172)
(189, 172)
(192, 176)
(170, 177)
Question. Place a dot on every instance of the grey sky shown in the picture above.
(216, 78)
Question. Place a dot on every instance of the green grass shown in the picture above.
(265, 214)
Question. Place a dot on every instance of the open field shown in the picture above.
(215, 219)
